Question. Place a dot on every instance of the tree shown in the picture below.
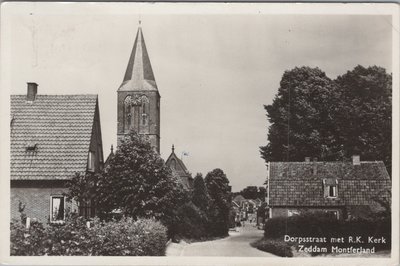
(137, 183)
(200, 196)
(220, 201)
(365, 114)
(262, 193)
(250, 192)
(300, 119)
(313, 116)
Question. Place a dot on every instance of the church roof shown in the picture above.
(177, 166)
(50, 136)
(139, 74)
(110, 156)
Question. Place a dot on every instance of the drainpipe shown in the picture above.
(268, 174)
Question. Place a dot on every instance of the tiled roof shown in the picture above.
(301, 183)
(139, 73)
(60, 126)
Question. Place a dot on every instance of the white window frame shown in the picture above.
(51, 209)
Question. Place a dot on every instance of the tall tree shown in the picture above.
(313, 116)
(365, 114)
(200, 196)
(300, 119)
(262, 193)
(137, 182)
(250, 192)
(220, 201)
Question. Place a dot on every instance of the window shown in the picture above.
(333, 214)
(332, 191)
(57, 213)
(144, 119)
(330, 188)
(128, 113)
(91, 159)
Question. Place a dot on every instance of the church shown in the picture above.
(53, 137)
(139, 106)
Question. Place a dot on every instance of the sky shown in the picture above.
(214, 70)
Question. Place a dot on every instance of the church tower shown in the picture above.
(138, 96)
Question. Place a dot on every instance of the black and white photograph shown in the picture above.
(199, 133)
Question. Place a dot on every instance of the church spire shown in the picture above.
(139, 74)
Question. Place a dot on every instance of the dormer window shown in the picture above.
(91, 159)
(31, 147)
(330, 187)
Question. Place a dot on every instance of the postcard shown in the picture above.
(199, 133)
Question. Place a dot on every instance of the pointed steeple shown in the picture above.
(139, 74)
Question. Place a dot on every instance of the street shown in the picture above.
(237, 245)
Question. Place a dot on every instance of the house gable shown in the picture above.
(61, 128)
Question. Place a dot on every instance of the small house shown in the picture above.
(343, 189)
(53, 137)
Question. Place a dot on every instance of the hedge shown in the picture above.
(276, 247)
(126, 237)
(321, 225)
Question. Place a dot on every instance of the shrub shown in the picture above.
(276, 247)
(26, 242)
(130, 238)
(126, 237)
(70, 239)
(190, 222)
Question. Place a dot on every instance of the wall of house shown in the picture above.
(283, 211)
(36, 198)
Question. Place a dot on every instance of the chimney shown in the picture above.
(307, 159)
(356, 159)
(314, 169)
(32, 91)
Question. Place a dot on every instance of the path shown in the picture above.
(237, 245)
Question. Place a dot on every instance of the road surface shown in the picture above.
(236, 245)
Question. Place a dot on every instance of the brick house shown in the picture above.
(179, 169)
(345, 189)
(52, 138)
